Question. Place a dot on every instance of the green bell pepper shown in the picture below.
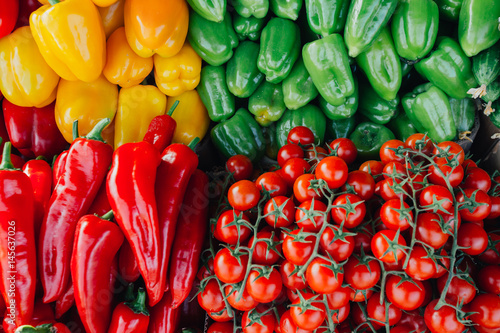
(287, 9)
(247, 8)
(309, 116)
(449, 9)
(382, 66)
(266, 103)
(239, 135)
(374, 107)
(242, 75)
(327, 62)
(214, 93)
(214, 42)
(248, 27)
(369, 138)
(298, 87)
(212, 10)
(365, 21)
(414, 28)
(279, 49)
(340, 128)
(478, 25)
(486, 68)
(464, 113)
(495, 116)
(492, 91)
(430, 112)
(326, 17)
(342, 111)
(448, 68)
(402, 127)
(406, 67)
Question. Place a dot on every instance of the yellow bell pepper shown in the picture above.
(123, 66)
(191, 117)
(86, 102)
(156, 26)
(112, 17)
(137, 106)
(179, 73)
(70, 36)
(104, 3)
(25, 78)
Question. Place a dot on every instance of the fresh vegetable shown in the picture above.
(214, 93)
(132, 316)
(267, 103)
(326, 17)
(242, 75)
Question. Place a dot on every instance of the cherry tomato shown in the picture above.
(289, 276)
(211, 298)
(263, 254)
(360, 320)
(341, 314)
(443, 320)
(420, 267)
(351, 212)
(289, 151)
(264, 284)
(436, 199)
(288, 326)
(472, 238)
(475, 196)
(272, 183)
(337, 242)
(419, 142)
(243, 195)
(292, 169)
(477, 178)
(228, 268)
(395, 169)
(339, 298)
(439, 174)
(324, 277)
(362, 183)
(489, 279)
(429, 230)
(443, 267)
(450, 150)
(301, 189)
(245, 303)
(384, 251)
(308, 319)
(333, 170)
(230, 234)
(459, 290)
(279, 212)
(300, 135)
(362, 240)
(362, 275)
(377, 311)
(206, 270)
(495, 208)
(490, 256)
(240, 166)
(487, 310)
(468, 163)
(393, 217)
(298, 247)
(358, 296)
(310, 215)
(315, 154)
(374, 168)
(258, 320)
(414, 320)
(388, 153)
(406, 295)
(345, 148)
(390, 189)
(220, 317)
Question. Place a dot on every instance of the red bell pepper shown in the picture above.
(84, 171)
(189, 236)
(9, 10)
(97, 241)
(164, 318)
(40, 174)
(178, 162)
(101, 205)
(66, 301)
(127, 265)
(130, 187)
(161, 129)
(26, 7)
(131, 317)
(34, 129)
(58, 167)
(17, 241)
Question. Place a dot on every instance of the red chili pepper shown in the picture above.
(42, 313)
(17, 161)
(8, 16)
(58, 167)
(164, 319)
(189, 236)
(130, 187)
(101, 205)
(161, 129)
(66, 301)
(17, 241)
(26, 7)
(129, 317)
(127, 265)
(97, 241)
(84, 171)
(40, 174)
(4, 135)
(178, 162)
(34, 129)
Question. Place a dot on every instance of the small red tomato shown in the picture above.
(390, 189)
(324, 277)
(394, 169)
(310, 215)
(240, 166)
(468, 163)
(486, 308)
(438, 175)
(420, 267)
(289, 276)
(221, 327)
(477, 178)
(258, 320)
(470, 197)
(292, 169)
(495, 208)
(315, 154)
(243, 195)
(264, 284)
(491, 255)
(230, 227)
(374, 168)
(337, 242)
(230, 267)
(350, 210)
(429, 230)
(298, 247)
(442, 320)
(272, 183)
(448, 150)
(220, 317)
(263, 254)
(419, 142)
(302, 190)
(407, 295)
(436, 199)
(388, 151)
(361, 182)
(472, 238)
(333, 170)
(279, 212)
(386, 247)
(345, 149)
(211, 298)
(362, 275)
(245, 303)
(459, 290)
(396, 214)
(308, 319)
(378, 311)
(339, 298)
(488, 279)
(300, 135)
(289, 151)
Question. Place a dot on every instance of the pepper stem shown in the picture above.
(96, 132)
(54, 2)
(108, 216)
(129, 293)
(6, 160)
(138, 306)
(193, 143)
(26, 329)
(172, 108)
(75, 130)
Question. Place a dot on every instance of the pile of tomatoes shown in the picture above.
(409, 243)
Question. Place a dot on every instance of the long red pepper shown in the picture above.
(161, 129)
(130, 186)
(164, 318)
(17, 241)
(178, 163)
(131, 317)
(66, 301)
(101, 205)
(40, 174)
(189, 236)
(97, 241)
(58, 167)
(85, 169)
(127, 264)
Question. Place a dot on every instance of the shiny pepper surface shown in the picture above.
(25, 78)
(212, 10)
(247, 8)
(71, 39)
(179, 73)
(214, 93)
(326, 17)
(156, 26)
(287, 9)
(112, 17)
(298, 87)
(242, 75)
(267, 104)
(449, 9)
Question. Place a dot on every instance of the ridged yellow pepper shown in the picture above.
(191, 117)
(179, 73)
(156, 26)
(112, 17)
(25, 78)
(87, 102)
(71, 39)
(137, 106)
(123, 66)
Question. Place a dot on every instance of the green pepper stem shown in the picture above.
(108, 216)
(172, 108)
(54, 2)
(138, 306)
(129, 293)
(193, 143)
(6, 160)
(75, 130)
(96, 132)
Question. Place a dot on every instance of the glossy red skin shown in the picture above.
(8, 17)
(353, 219)
(210, 298)
(412, 141)
(315, 154)
(96, 243)
(26, 7)
(443, 320)
(333, 170)
(392, 218)
(277, 221)
(101, 205)
(229, 234)
(292, 169)
(308, 319)
(301, 189)
(346, 149)
(359, 319)
(124, 320)
(374, 168)
(360, 295)
(459, 290)
(477, 178)
(388, 155)
(339, 298)
(289, 151)
(58, 167)
(473, 238)
(360, 277)
(490, 256)
(429, 231)
(298, 252)
(288, 326)
(495, 208)
(377, 311)
(161, 131)
(34, 129)
(379, 246)
(406, 295)
(455, 149)
(487, 307)
(66, 301)
(362, 240)
(189, 236)
(245, 303)
(131, 193)
(414, 320)
(240, 166)
(340, 315)
(480, 212)
(454, 175)
(441, 193)
(290, 279)
(362, 182)
(264, 289)
(127, 264)
(4, 135)
(394, 168)
(220, 317)
(311, 224)
(227, 267)
(339, 249)
(386, 191)
(268, 322)
(40, 174)
(321, 278)
(300, 135)
(489, 279)
(17, 202)
(273, 183)
(419, 267)
(262, 254)
(224, 327)
(163, 318)
(243, 195)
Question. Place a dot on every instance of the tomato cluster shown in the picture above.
(405, 244)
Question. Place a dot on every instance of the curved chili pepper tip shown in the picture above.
(95, 133)
(193, 143)
(172, 109)
(138, 306)
(26, 329)
(108, 216)
(75, 130)
(6, 160)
